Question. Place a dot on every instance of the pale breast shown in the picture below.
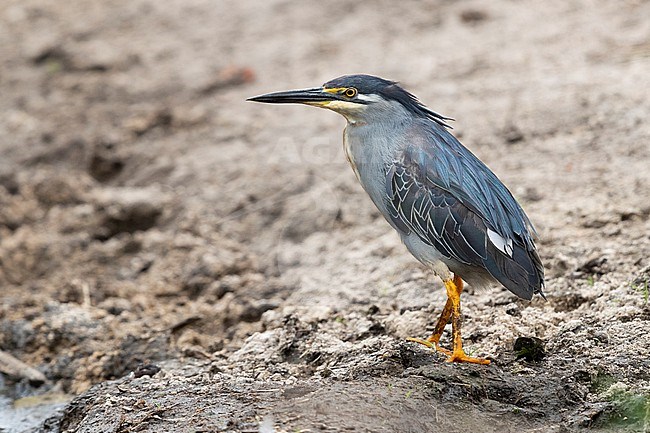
(368, 165)
(349, 154)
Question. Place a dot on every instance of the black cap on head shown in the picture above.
(389, 90)
(366, 84)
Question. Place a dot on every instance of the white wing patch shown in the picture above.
(504, 245)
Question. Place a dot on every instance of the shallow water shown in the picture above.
(22, 414)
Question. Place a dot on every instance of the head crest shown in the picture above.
(390, 90)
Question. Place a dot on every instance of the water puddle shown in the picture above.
(23, 407)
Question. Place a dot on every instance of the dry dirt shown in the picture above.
(180, 260)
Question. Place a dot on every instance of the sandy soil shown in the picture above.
(181, 260)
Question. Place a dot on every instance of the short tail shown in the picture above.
(522, 274)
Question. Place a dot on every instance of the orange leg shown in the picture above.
(452, 310)
(433, 342)
(458, 354)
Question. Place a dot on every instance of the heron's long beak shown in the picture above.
(313, 96)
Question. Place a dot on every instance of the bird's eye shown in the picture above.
(350, 92)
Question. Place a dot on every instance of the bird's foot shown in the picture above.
(431, 345)
(460, 356)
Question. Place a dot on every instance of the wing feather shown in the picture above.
(450, 199)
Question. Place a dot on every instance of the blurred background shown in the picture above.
(152, 219)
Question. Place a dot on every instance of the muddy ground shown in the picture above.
(179, 260)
